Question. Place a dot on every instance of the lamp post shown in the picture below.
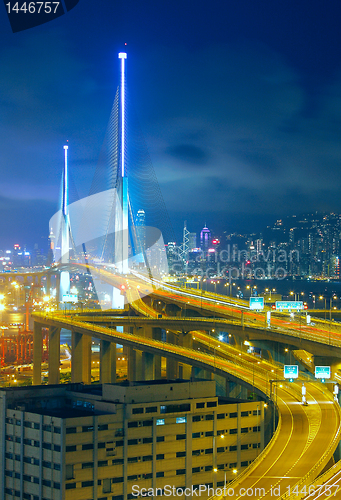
(325, 305)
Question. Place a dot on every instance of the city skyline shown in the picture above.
(240, 119)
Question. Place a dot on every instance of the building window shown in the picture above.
(181, 420)
(180, 472)
(244, 464)
(160, 456)
(209, 433)
(87, 465)
(46, 428)
(47, 465)
(86, 484)
(244, 413)
(211, 404)
(147, 423)
(209, 417)
(160, 474)
(208, 467)
(71, 447)
(132, 424)
(160, 439)
(132, 441)
(70, 486)
(256, 428)
(244, 430)
(147, 440)
(106, 487)
(132, 460)
(56, 447)
(117, 480)
(180, 436)
(71, 430)
(233, 448)
(102, 463)
(175, 408)
(56, 485)
(87, 428)
(151, 409)
(147, 458)
(137, 410)
(57, 430)
(46, 482)
(233, 431)
(69, 471)
(56, 466)
(220, 416)
(118, 461)
(195, 470)
(160, 421)
(221, 449)
(200, 405)
(88, 446)
(256, 445)
(234, 415)
(103, 427)
(47, 446)
(208, 451)
(180, 454)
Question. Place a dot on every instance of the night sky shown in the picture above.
(239, 104)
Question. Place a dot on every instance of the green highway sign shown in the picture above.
(256, 303)
(290, 371)
(322, 371)
(290, 305)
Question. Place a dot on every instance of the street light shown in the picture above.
(325, 305)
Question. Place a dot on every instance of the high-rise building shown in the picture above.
(205, 239)
(85, 442)
(192, 241)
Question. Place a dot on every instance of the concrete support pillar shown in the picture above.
(107, 362)
(157, 359)
(57, 287)
(37, 352)
(151, 364)
(186, 340)
(171, 364)
(147, 366)
(48, 284)
(134, 365)
(54, 354)
(80, 358)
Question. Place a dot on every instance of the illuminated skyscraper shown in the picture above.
(205, 239)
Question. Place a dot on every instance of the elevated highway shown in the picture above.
(306, 436)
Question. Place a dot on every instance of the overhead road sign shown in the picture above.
(290, 305)
(290, 371)
(256, 303)
(322, 372)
